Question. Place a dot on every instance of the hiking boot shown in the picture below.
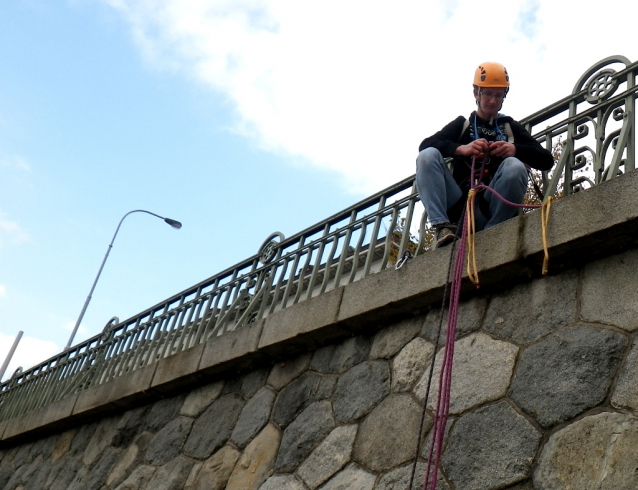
(445, 234)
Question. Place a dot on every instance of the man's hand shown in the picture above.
(476, 147)
(502, 149)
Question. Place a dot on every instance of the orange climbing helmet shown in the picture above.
(492, 75)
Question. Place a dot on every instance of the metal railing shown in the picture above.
(361, 240)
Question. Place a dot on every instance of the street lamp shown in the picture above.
(10, 354)
(175, 224)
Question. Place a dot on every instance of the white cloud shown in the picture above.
(30, 351)
(354, 86)
(11, 232)
(3, 291)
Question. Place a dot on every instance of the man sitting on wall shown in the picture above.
(509, 149)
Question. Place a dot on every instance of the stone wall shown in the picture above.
(329, 395)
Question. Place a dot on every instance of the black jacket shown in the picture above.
(504, 128)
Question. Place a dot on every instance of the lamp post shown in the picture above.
(10, 354)
(175, 224)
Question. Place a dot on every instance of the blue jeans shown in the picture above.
(439, 191)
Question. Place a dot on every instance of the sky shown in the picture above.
(238, 118)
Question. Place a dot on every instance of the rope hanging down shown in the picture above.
(472, 269)
(445, 380)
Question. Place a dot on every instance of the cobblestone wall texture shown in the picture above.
(544, 396)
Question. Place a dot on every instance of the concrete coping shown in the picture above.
(583, 227)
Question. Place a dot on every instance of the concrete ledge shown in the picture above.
(120, 392)
(178, 370)
(50, 417)
(583, 227)
(588, 225)
(367, 304)
(233, 350)
(303, 326)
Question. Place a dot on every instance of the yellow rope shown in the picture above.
(471, 230)
(544, 221)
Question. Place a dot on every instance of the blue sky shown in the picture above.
(238, 118)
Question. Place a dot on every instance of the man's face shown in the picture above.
(490, 100)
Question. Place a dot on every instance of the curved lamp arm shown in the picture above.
(174, 223)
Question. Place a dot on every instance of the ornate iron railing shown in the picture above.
(359, 241)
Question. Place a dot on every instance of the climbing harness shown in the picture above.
(453, 285)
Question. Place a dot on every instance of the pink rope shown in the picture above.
(509, 203)
(445, 378)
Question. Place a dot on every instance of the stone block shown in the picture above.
(105, 431)
(359, 389)
(595, 453)
(213, 427)
(96, 477)
(256, 464)
(481, 372)
(337, 358)
(63, 472)
(567, 373)
(353, 477)
(295, 397)
(409, 365)
(309, 428)
(490, 449)
(609, 293)
(177, 371)
(236, 349)
(138, 479)
(128, 460)
(82, 438)
(233, 385)
(253, 381)
(387, 436)
(328, 457)
(529, 311)
(626, 391)
(282, 482)
(390, 340)
(171, 476)
(303, 326)
(399, 479)
(37, 474)
(166, 444)
(470, 317)
(253, 417)
(7, 471)
(216, 470)
(121, 392)
(200, 398)
(122, 466)
(131, 423)
(62, 444)
(284, 372)
(161, 413)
